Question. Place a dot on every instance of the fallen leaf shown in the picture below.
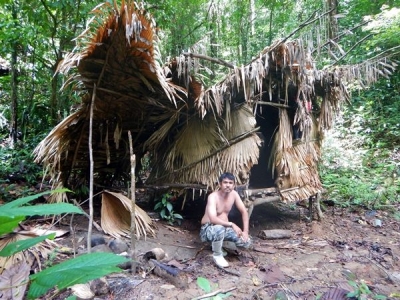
(167, 286)
(256, 281)
(13, 281)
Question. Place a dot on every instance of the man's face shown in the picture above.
(227, 185)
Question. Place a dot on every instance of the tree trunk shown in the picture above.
(14, 85)
(213, 27)
(252, 17)
(333, 25)
(271, 14)
(54, 101)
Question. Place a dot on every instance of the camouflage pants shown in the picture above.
(214, 233)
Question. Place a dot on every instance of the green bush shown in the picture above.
(73, 271)
(166, 210)
(361, 155)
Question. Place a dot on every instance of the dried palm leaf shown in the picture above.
(13, 281)
(116, 216)
(31, 255)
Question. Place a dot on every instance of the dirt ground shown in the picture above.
(320, 260)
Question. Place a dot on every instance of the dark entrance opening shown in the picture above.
(267, 118)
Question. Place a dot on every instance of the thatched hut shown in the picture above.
(263, 122)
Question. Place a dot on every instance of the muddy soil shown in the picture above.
(321, 258)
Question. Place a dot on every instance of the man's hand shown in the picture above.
(241, 234)
(245, 236)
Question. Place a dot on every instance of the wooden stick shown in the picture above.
(229, 271)
(90, 226)
(273, 104)
(215, 60)
(230, 143)
(98, 227)
(340, 35)
(176, 185)
(215, 293)
(309, 21)
(355, 45)
(133, 203)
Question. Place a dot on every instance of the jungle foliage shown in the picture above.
(361, 158)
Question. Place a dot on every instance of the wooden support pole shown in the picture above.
(133, 198)
(90, 226)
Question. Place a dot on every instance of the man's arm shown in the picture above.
(245, 217)
(211, 211)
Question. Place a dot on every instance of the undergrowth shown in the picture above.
(18, 171)
(361, 155)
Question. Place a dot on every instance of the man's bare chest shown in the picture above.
(224, 207)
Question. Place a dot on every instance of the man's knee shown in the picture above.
(246, 245)
(212, 233)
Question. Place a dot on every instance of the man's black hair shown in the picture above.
(226, 175)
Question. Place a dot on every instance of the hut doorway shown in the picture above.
(267, 118)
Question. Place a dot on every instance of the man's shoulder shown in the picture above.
(213, 195)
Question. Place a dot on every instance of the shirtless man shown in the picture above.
(216, 226)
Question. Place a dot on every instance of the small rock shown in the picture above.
(118, 246)
(167, 287)
(126, 265)
(82, 291)
(97, 240)
(377, 223)
(101, 248)
(99, 286)
(155, 253)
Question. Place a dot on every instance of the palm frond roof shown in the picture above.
(192, 132)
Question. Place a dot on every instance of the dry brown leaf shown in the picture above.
(116, 216)
(13, 281)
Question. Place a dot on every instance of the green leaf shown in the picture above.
(71, 298)
(204, 284)
(40, 210)
(352, 294)
(169, 206)
(9, 223)
(21, 245)
(162, 213)
(177, 216)
(223, 296)
(77, 270)
(27, 199)
(157, 206)
(353, 284)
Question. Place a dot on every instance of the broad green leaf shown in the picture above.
(353, 283)
(27, 199)
(71, 298)
(7, 224)
(157, 206)
(352, 294)
(169, 206)
(178, 216)
(204, 284)
(21, 245)
(40, 210)
(162, 213)
(223, 296)
(77, 270)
